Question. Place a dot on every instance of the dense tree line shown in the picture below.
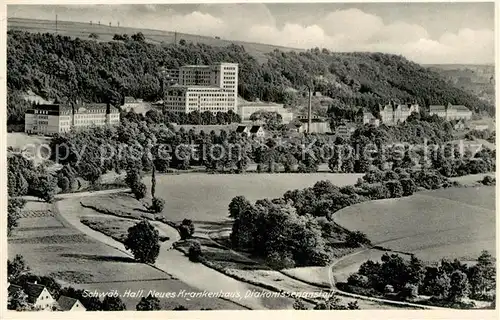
(296, 229)
(57, 66)
(448, 283)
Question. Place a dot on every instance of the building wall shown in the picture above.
(45, 301)
(316, 127)
(245, 111)
(223, 76)
(197, 99)
(78, 307)
(61, 119)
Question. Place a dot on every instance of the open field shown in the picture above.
(213, 193)
(115, 228)
(205, 197)
(106, 33)
(51, 246)
(472, 179)
(452, 223)
(20, 140)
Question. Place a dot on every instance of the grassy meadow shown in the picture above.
(451, 223)
(205, 197)
(106, 33)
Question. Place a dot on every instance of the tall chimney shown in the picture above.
(309, 112)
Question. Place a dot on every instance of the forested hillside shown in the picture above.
(57, 67)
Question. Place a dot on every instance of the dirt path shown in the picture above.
(170, 261)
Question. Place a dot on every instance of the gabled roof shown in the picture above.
(130, 99)
(33, 290)
(255, 129)
(460, 108)
(437, 108)
(13, 288)
(241, 129)
(66, 303)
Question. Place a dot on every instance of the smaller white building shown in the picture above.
(345, 130)
(245, 110)
(70, 304)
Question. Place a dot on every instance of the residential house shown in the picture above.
(242, 130)
(364, 116)
(70, 304)
(458, 125)
(345, 130)
(257, 131)
(37, 294)
(481, 127)
(245, 110)
(130, 103)
(317, 126)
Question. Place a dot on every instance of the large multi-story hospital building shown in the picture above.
(204, 88)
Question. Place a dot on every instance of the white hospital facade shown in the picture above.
(203, 88)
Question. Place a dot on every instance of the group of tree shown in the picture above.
(404, 279)
(59, 66)
(144, 241)
(193, 118)
(295, 230)
(19, 273)
(139, 37)
(332, 303)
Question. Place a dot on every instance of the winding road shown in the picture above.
(169, 260)
(175, 263)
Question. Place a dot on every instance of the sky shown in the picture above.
(426, 33)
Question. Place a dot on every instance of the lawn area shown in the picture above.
(452, 223)
(20, 140)
(115, 228)
(52, 248)
(205, 197)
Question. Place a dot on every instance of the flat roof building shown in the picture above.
(204, 88)
(247, 109)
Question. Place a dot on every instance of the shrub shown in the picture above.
(489, 181)
(195, 252)
(148, 303)
(409, 291)
(157, 205)
(186, 229)
(143, 240)
(280, 260)
(180, 308)
(299, 305)
(139, 190)
(388, 289)
(64, 184)
(395, 188)
(319, 257)
(358, 280)
(408, 186)
(357, 238)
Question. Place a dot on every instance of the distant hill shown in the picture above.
(106, 33)
(473, 78)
